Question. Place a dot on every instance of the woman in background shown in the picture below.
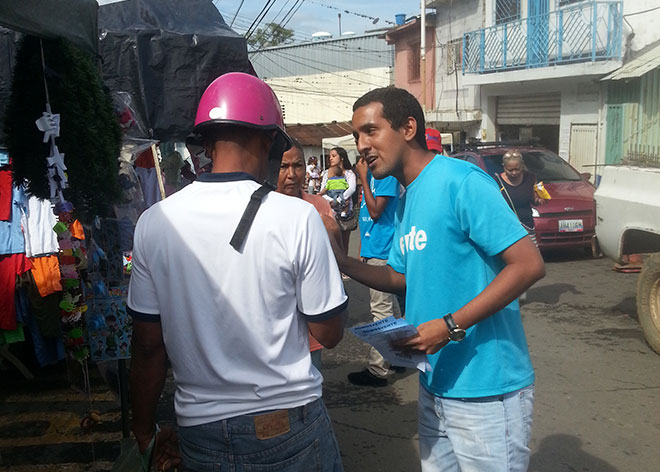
(339, 157)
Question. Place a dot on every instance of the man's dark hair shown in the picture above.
(398, 105)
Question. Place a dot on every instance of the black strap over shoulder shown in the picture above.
(250, 212)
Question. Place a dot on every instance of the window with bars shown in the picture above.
(506, 10)
(414, 62)
(454, 51)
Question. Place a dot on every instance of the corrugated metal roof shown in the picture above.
(329, 56)
(311, 135)
(639, 66)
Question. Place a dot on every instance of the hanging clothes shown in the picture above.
(46, 310)
(38, 221)
(5, 194)
(149, 183)
(47, 349)
(46, 273)
(11, 266)
(12, 240)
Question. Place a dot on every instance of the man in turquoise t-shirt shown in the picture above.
(380, 199)
(462, 258)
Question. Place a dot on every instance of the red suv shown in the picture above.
(569, 218)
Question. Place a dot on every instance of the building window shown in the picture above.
(414, 63)
(454, 50)
(506, 10)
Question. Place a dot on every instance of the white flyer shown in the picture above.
(381, 334)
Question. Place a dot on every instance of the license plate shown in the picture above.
(571, 226)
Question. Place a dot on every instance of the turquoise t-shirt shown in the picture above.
(450, 226)
(377, 236)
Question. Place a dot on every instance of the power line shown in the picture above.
(308, 83)
(236, 14)
(373, 19)
(290, 58)
(264, 11)
(294, 12)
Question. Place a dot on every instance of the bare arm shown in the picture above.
(329, 332)
(382, 278)
(148, 371)
(524, 266)
(375, 205)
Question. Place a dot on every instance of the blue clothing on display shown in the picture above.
(12, 240)
(451, 225)
(377, 236)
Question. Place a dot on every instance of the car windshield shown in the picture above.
(546, 165)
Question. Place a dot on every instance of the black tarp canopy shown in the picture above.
(75, 20)
(164, 53)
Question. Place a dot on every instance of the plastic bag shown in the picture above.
(541, 192)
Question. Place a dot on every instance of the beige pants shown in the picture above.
(383, 304)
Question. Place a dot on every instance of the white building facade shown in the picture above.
(533, 67)
(318, 81)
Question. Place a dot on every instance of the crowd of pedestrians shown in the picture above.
(240, 288)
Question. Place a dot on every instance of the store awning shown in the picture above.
(639, 66)
(313, 134)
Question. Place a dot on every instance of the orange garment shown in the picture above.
(314, 345)
(77, 230)
(46, 273)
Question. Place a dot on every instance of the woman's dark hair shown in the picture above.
(343, 155)
(398, 105)
(295, 144)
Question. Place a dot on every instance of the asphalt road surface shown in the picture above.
(597, 391)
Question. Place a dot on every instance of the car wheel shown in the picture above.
(648, 300)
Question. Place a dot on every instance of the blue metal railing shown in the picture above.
(584, 32)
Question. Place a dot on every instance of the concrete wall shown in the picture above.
(644, 25)
(326, 97)
(403, 42)
(453, 19)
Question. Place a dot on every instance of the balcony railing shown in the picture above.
(585, 32)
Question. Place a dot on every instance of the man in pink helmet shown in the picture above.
(225, 284)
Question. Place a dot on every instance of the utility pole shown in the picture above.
(422, 51)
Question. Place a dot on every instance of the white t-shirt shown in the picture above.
(38, 222)
(234, 323)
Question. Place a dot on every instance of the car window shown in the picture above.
(546, 165)
(472, 160)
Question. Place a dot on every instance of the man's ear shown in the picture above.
(409, 128)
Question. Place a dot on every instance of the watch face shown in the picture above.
(457, 334)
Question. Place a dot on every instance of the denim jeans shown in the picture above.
(316, 358)
(231, 445)
(489, 434)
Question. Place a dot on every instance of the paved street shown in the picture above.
(597, 397)
(597, 388)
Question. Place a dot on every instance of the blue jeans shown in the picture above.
(232, 445)
(489, 434)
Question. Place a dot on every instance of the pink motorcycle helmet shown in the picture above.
(241, 99)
